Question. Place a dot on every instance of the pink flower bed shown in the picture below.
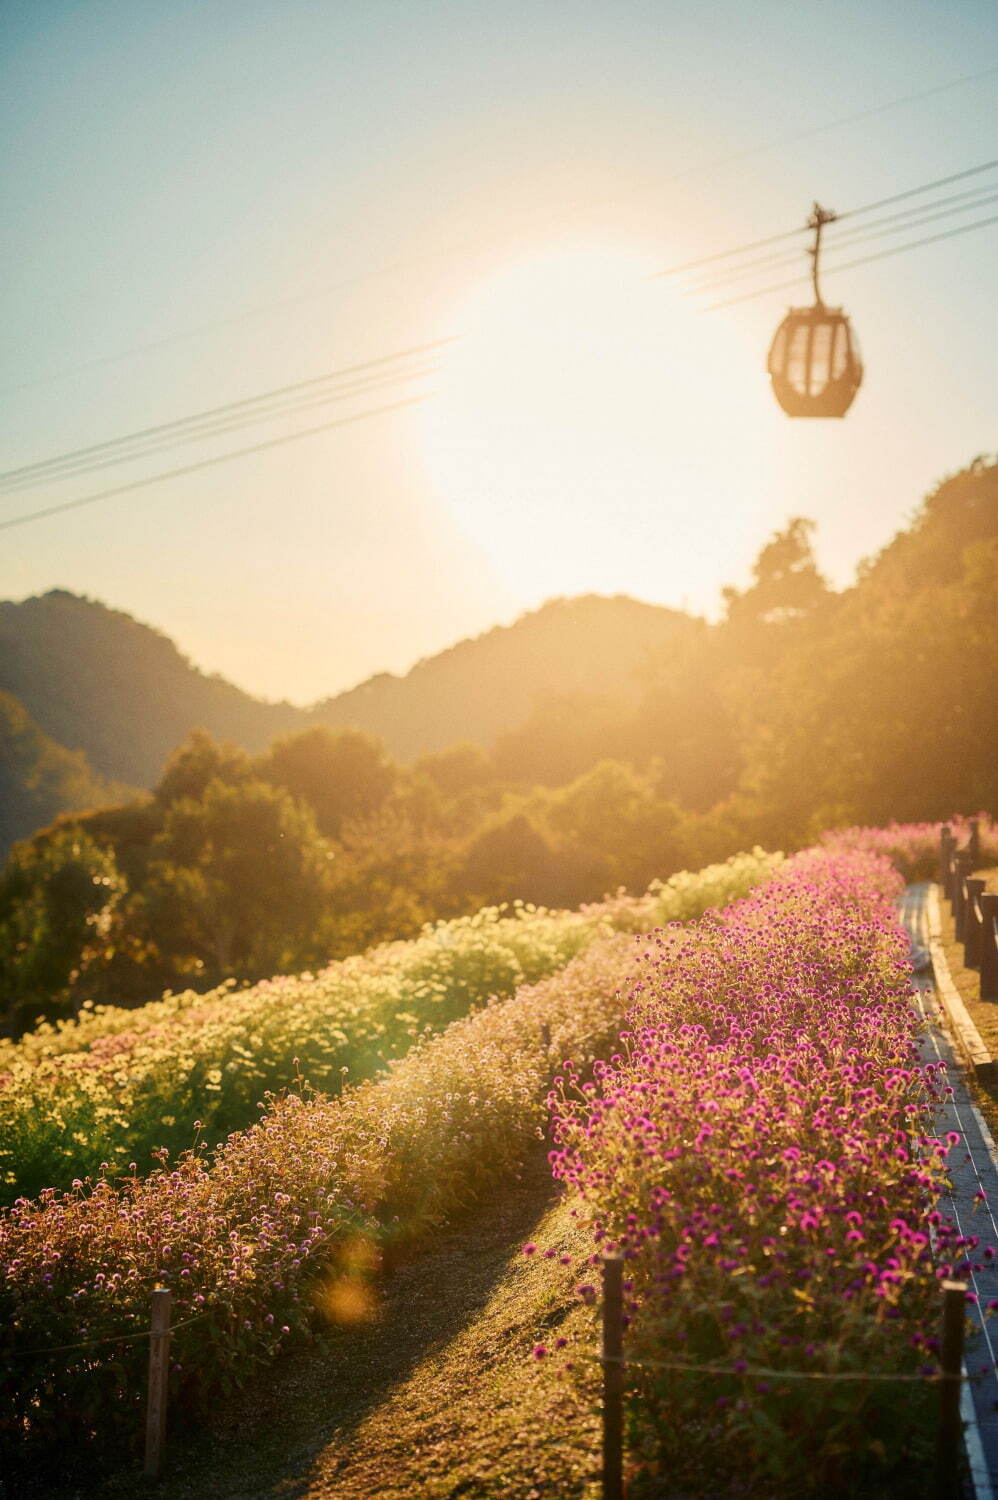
(763, 1155)
(913, 848)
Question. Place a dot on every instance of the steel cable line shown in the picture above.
(285, 399)
(909, 218)
(206, 463)
(220, 425)
(20, 474)
(773, 239)
(710, 166)
(961, 202)
(848, 265)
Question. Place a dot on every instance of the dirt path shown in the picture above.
(437, 1396)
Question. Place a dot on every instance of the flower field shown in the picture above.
(762, 1153)
(913, 848)
(117, 1085)
(285, 1219)
(282, 1224)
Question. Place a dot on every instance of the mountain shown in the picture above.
(39, 778)
(96, 680)
(487, 686)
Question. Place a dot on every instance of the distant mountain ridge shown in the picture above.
(97, 681)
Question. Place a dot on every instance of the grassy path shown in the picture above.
(436, 1396)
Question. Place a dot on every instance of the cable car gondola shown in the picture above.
(814, 362)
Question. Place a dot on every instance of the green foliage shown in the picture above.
(39, 778)
(237, 878)
(115, 1084)
(787, 584)
(631, 741)
(57, 904)
(342, 776)
(199, 761)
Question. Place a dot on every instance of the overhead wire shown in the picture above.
(287, 399)
(849, 265)
(220, 426)
(773, 239)
(714, 165)
(206, 463)
(251, 410)
(354, 380)
(909, 218)
(50, 467)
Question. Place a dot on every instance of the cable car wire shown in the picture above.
(703, 167)
(961, 202)
(205, 463)
(867, 208)
(909, 218)
(220, 426)
(931, 239)
(692, 265)
(179, 424)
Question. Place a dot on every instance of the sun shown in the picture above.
(588, 424)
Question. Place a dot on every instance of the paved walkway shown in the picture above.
(973, 1170)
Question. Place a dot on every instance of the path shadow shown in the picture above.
(266, 1441)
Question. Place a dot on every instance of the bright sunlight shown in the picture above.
(583, 392)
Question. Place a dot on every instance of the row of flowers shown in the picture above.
(762, 1151)
(280, 1226)
(913, 848)
(117, 1085)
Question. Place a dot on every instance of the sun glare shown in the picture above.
(586, 412)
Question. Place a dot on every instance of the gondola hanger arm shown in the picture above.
(819, 218)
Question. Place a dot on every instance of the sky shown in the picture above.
(203, 202)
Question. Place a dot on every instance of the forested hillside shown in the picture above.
(40, 779)
(97, 680)
(802, 709)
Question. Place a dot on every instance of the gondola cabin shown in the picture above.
(814, 362)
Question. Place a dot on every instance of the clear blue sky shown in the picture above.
(170, 166)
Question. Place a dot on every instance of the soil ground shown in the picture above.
(437, 1396)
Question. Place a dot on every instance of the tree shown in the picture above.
(787, 584)
(511, 859)
(460, 768)
(342, 775)
(614, 822)
(238, 880)
(199, 761)
(58, 899)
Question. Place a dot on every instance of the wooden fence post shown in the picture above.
(972, 924)
(989, 946)
(159, 1369)
(613, 1377)
(947, 842)
(950, 1430)
(961, 869)
(950, 863)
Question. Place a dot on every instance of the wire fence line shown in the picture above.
(113, 1338)
(760, 1372)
